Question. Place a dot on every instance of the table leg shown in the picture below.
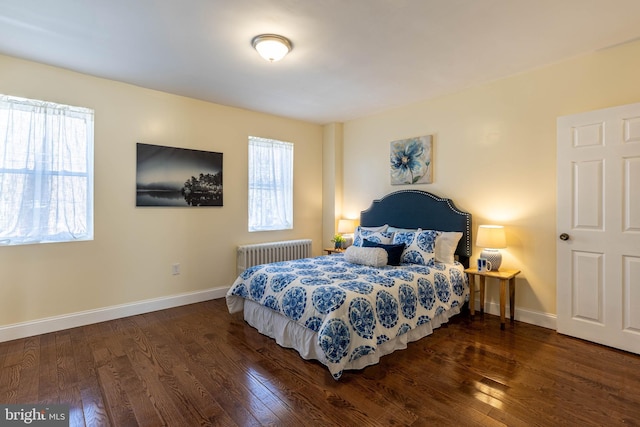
(482, 278)
(472, 294)
(512, 297)
(503, 297)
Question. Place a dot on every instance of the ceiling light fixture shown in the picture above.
(271, 47)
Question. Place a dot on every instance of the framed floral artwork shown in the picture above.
(411, 161)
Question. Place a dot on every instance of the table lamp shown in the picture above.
(491, 238)
(347, 227)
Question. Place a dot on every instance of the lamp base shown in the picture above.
(494, 257)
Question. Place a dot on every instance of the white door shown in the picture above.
(598, 265)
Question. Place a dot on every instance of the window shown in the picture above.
(46, 172)
(270, 184)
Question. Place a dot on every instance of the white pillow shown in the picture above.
(374, 257)
(446, 244)
(379, 228)
(369, 233)
(393, 229)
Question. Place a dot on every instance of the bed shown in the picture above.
(348, 310)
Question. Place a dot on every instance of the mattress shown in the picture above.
(347, 315)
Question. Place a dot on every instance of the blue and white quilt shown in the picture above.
(353, 308)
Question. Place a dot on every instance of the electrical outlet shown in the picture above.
(175, 269)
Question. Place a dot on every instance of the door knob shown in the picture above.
(564, 236)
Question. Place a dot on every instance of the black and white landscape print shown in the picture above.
(168, 176)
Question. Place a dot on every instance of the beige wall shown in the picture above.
(495, 156)
(332, 182)
(130, 259)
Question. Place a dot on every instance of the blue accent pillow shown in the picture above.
(394, 252)
(420, 246)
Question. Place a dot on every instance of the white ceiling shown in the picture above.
(351, 58)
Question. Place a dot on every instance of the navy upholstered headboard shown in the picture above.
(420, 209)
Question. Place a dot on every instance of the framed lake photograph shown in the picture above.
(169, 176)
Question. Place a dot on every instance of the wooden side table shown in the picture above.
(504, 275)
(330, 251)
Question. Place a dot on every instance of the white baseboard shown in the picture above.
(537, 318)
(73, 320)
(58, 323)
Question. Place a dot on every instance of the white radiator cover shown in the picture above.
(264, 253)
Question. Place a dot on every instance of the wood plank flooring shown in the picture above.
(199, 365)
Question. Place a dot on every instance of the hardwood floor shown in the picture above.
(199, 365)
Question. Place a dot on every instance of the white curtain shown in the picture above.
(46, 172)
(270, 184)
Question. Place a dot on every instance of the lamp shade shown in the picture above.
(347, 226)
(491, 237)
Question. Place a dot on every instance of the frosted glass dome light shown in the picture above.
(271, 47)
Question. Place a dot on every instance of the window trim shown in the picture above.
(56, 173)
(286, 207)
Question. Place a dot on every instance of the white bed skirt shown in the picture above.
(289, 334)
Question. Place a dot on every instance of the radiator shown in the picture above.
(263, 253)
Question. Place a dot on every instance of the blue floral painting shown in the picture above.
(411, 161)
